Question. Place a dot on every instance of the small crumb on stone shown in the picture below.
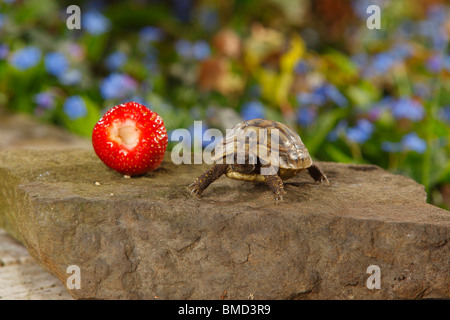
(112, 194)
(97, 183)
(127, 177)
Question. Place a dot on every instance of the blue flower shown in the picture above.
(301, 68)
(198, 50)
(4, 50)
(335, 95)
(360, 59)
(252, 110)
(316, 98)
(432, 29)
(117, 85)
(378, 108)
(26, 58)
(150, 34)
(75, 107)
(201, 50)
(407, 108)
(361, 132)
(115, 60)
(422, 90)
(447, 62)
(56, 63)
(440, 40)
(437, 13)
(391, 146)
(340, 128)
(412, 142)
(306, 116)
(71, 77)
(95, 23)
(321, 95)
(45, 100)
(183, 48)
(409, 142)
(435, 63)
(2, 19)
(360, 7)
(401, 51)
(444, 113)
(382, 62)
(427, 28)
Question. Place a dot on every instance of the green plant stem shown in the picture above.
(401, 78)
(392, 162)
(426, 163)
(356, 152)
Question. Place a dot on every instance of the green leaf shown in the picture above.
(337, 155)
(325, 124)
(343, 62)
(96, 46)
(363, 95)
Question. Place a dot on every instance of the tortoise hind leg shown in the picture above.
(276, 184)
(208, 177)
(317, 174)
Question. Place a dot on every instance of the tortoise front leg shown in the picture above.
(317, 174)
(208, 177)
(276, 184)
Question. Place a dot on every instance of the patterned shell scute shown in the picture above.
(281, 147)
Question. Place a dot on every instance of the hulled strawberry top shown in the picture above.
(130, 138)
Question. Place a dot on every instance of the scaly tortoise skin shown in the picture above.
(291, 158)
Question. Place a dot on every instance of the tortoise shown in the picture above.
(281, 150)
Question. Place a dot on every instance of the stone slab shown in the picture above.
(21, 278)
(147, 238)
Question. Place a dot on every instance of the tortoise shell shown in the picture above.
(257, 138)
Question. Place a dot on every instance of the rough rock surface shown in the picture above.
(21, 277)
(146, 238)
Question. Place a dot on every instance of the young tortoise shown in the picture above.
(283, 147)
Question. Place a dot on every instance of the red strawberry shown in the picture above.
(130, 138)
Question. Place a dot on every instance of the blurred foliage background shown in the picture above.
(353, 94)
